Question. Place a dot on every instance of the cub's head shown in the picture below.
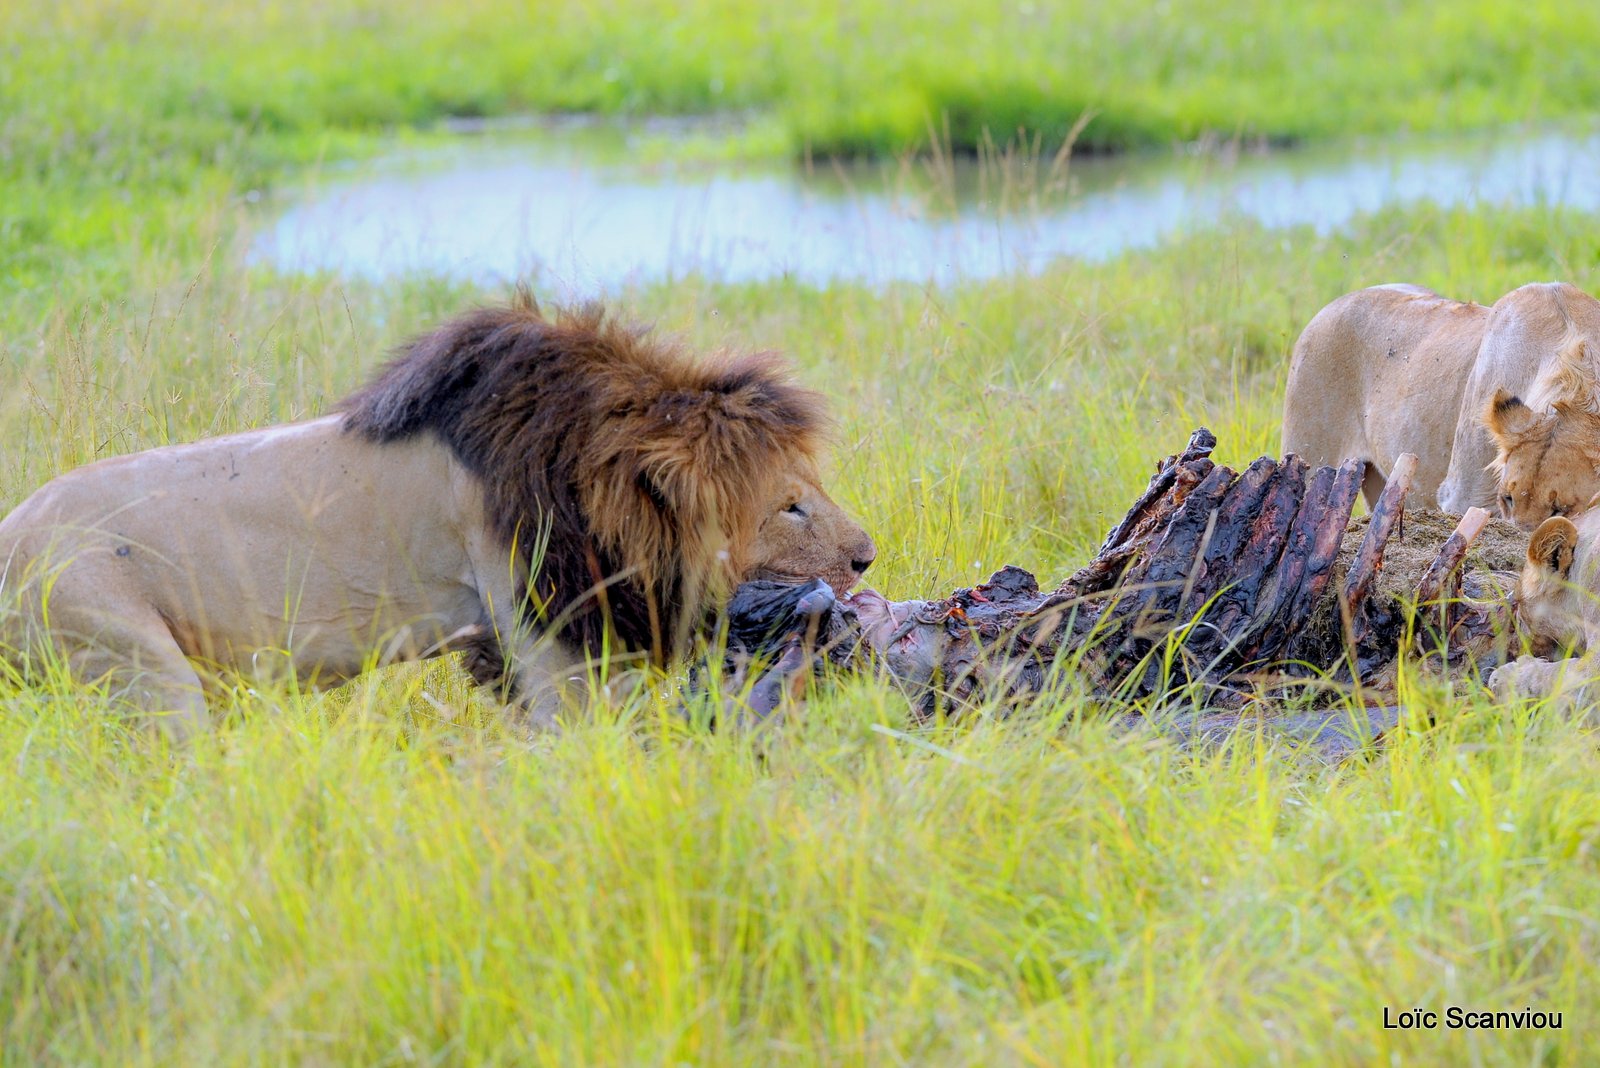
(1547, 601)
(1548, 462)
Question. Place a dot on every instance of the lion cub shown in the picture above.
(1558, 600)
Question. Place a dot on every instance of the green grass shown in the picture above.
(128, 111)
(869, 77)
(384, 875)
(362, 886)
(354, 878)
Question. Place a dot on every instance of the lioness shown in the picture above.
(538, 490)
(1398, 368)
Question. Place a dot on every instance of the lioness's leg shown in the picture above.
(1372, 484)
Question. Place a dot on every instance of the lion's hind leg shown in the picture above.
(138, 658)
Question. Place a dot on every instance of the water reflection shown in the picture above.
(567, 207)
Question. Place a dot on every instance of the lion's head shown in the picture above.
(1548, 603)
(803, 534)
(1548, 463)
(638, 484)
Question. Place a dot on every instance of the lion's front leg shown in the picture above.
(1530, 677)
(540, 677)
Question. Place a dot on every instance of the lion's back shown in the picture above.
(1525, 328)
(1381, 371)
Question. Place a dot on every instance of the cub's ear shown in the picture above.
(1507, 417)
(1552, 546)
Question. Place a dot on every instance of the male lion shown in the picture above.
(536, 490)
(1398, 368)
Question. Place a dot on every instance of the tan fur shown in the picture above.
(1552, 544)
(1547, 458)
(1399, 368)
(1549, 603)
(1558, 602)
(1570, 687)
(537, 491)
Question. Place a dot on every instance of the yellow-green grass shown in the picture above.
(350, 883)
(384, 874)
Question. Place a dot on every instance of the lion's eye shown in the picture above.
(795, 510)
(1506, 502)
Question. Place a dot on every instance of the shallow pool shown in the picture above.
(564, 206)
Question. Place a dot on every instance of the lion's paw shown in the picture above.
(1527, 676)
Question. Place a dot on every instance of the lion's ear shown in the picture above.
(1584, 412)
(1552, 546)
(1507, 417)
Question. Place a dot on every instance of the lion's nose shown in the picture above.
(861, 566)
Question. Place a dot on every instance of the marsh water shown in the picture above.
(573, 206)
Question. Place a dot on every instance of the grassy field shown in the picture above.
(383, 875)
(124, 112)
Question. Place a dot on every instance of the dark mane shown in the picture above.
(639, 460)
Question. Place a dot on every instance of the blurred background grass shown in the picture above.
(133, 109)
(383, 875)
